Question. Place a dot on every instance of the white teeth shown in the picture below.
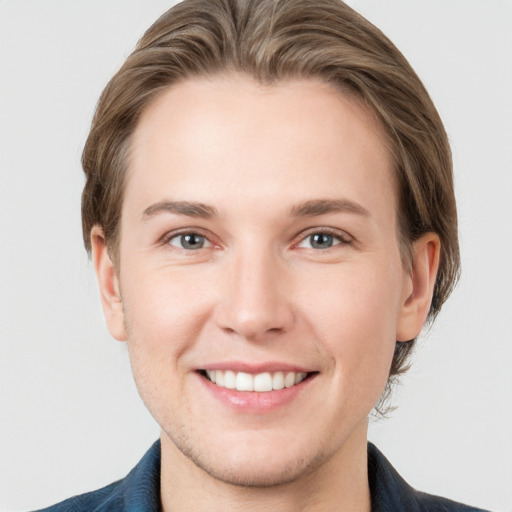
(229, 379)
(278, 380)
(289, 380)
(299, 377)
(262, 382)
(244, 382)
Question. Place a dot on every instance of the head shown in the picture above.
(271, 44)
(272, 41)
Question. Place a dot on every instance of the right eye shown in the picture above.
(189, 241)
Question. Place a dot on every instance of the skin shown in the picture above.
(259, 290)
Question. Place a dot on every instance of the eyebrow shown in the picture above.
(310, 208)
(323, 206)
(188, 208)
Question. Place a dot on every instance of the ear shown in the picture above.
(419, 287)
(108, 284)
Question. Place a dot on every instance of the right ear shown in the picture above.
(108, 282)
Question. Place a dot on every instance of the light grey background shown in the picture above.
(70, 417)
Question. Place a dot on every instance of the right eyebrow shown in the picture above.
(187, 208)
(316, 207)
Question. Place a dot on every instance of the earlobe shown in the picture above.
(108, 283)
(419, 288)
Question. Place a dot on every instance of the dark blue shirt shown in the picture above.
(140, 491)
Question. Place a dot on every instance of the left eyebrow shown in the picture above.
(323, 206)
(187, 208)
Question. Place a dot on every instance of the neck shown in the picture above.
(339, 484)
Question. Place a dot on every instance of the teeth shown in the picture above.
(262, 382)
(289, 380)
(229, 379)
(278, 380)
(244, 382)
(299, 377)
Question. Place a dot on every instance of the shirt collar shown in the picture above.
(140, 490)
(141, 487)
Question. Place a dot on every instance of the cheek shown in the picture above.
(163, 316)
(355, 316)
(164, 312)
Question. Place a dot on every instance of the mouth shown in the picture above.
(261, 382)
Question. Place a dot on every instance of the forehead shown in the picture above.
(216, 138)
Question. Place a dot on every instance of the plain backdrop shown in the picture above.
(70, 416)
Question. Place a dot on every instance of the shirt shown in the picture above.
(139, 491)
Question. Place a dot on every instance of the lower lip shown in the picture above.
(253, 402)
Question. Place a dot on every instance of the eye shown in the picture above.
(189, 241)
(322, 240)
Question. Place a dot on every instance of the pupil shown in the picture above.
(321, 241)
(192, 241)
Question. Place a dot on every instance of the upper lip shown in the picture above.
(256, 368)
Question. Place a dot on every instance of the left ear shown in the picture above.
(419, 287)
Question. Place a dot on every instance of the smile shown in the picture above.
(261, 382)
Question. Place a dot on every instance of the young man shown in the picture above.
(269, 207)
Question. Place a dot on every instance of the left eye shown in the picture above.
(189, 241)
(320, 241)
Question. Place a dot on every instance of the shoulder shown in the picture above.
(105, 499)
(391, 493)
(437, 504)
(139, 491)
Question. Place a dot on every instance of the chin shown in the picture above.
(248, 474)
(255, 467)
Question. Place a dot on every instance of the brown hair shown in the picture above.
(271, 40)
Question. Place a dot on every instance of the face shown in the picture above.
(260, 284)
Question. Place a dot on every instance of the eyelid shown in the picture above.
(167, 237)
(343, 237)
(205, 242)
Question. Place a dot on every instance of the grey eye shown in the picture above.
(189, 241)
(321, 241)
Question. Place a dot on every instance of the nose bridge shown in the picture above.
(254, 301)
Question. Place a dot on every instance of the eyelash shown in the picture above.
(342, 238)
(166, 239)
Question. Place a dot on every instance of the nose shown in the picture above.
(254, 303)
